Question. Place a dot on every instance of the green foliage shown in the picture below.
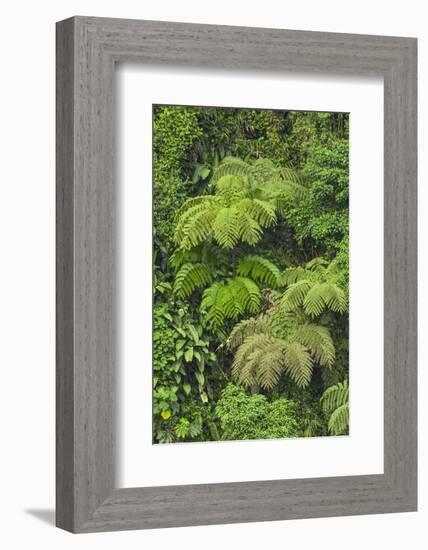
(254, 417)
(190, 277)
(175, 129)
(322, 216)
(260, 269)
(314, 288)
(335, 402)
(251, 273)
(181, 356)
(268, 350)
(284, 339)
(185, 428)
(246, 200)
(230, 300)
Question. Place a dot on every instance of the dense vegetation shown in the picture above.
(250, 274)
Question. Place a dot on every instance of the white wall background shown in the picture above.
(27, 272)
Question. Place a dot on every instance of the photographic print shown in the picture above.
(250, 274)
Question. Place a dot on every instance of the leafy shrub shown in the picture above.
(175, 129)
(180, 357)
(322, 215)
(245, 416)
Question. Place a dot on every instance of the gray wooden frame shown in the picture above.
(87, 50)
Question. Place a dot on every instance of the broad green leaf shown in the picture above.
(204, 172)
(179, 344)
(167, 316)
(188, 355)
(176, 366)
(193, 333)
(201, 343)
(180, 331)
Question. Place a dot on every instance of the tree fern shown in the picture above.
(265, 349)
(225, 227)
(249, 231)
(299, 363)
(335, 402)
(232, 186)
(231, 166)
(230, 300)
(339, 420)
(318, 340)
(212, 302)
(207, 253)
(262, 324)
(315, 288)
(295, 295)
(260, 269)
(262, 211)
(195, 224)
(245, 201)
(259, 361)
(191, 277)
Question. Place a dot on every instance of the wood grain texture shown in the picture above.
(87, 50)
(64, 277)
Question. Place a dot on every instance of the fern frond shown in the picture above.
(293, 274)
(263, 212)
(335, 402)
(226, 227)
(324, 295)
(260, 269)
(334, 297)
(207, 253)
(188, 210)
(232, 185)
(339, 420)
(315, 288)
(193, 203)
(247, 291)
(195, 230)
(246, 200)
(250, 327)
(294, 296)
(264, 170)
(298, 363)
(313, 302)
(231, 166)
(335, 396)
(318, 340)
(291, 348)
(231, 300)
(190, 277)
(212, 302)
(249, 230)
(286, 191)
(270, 363)
(290, 175)
(317, 263)
(259, 360)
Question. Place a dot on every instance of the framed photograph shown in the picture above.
(236, 274)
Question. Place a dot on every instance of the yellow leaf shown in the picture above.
(165, 415)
